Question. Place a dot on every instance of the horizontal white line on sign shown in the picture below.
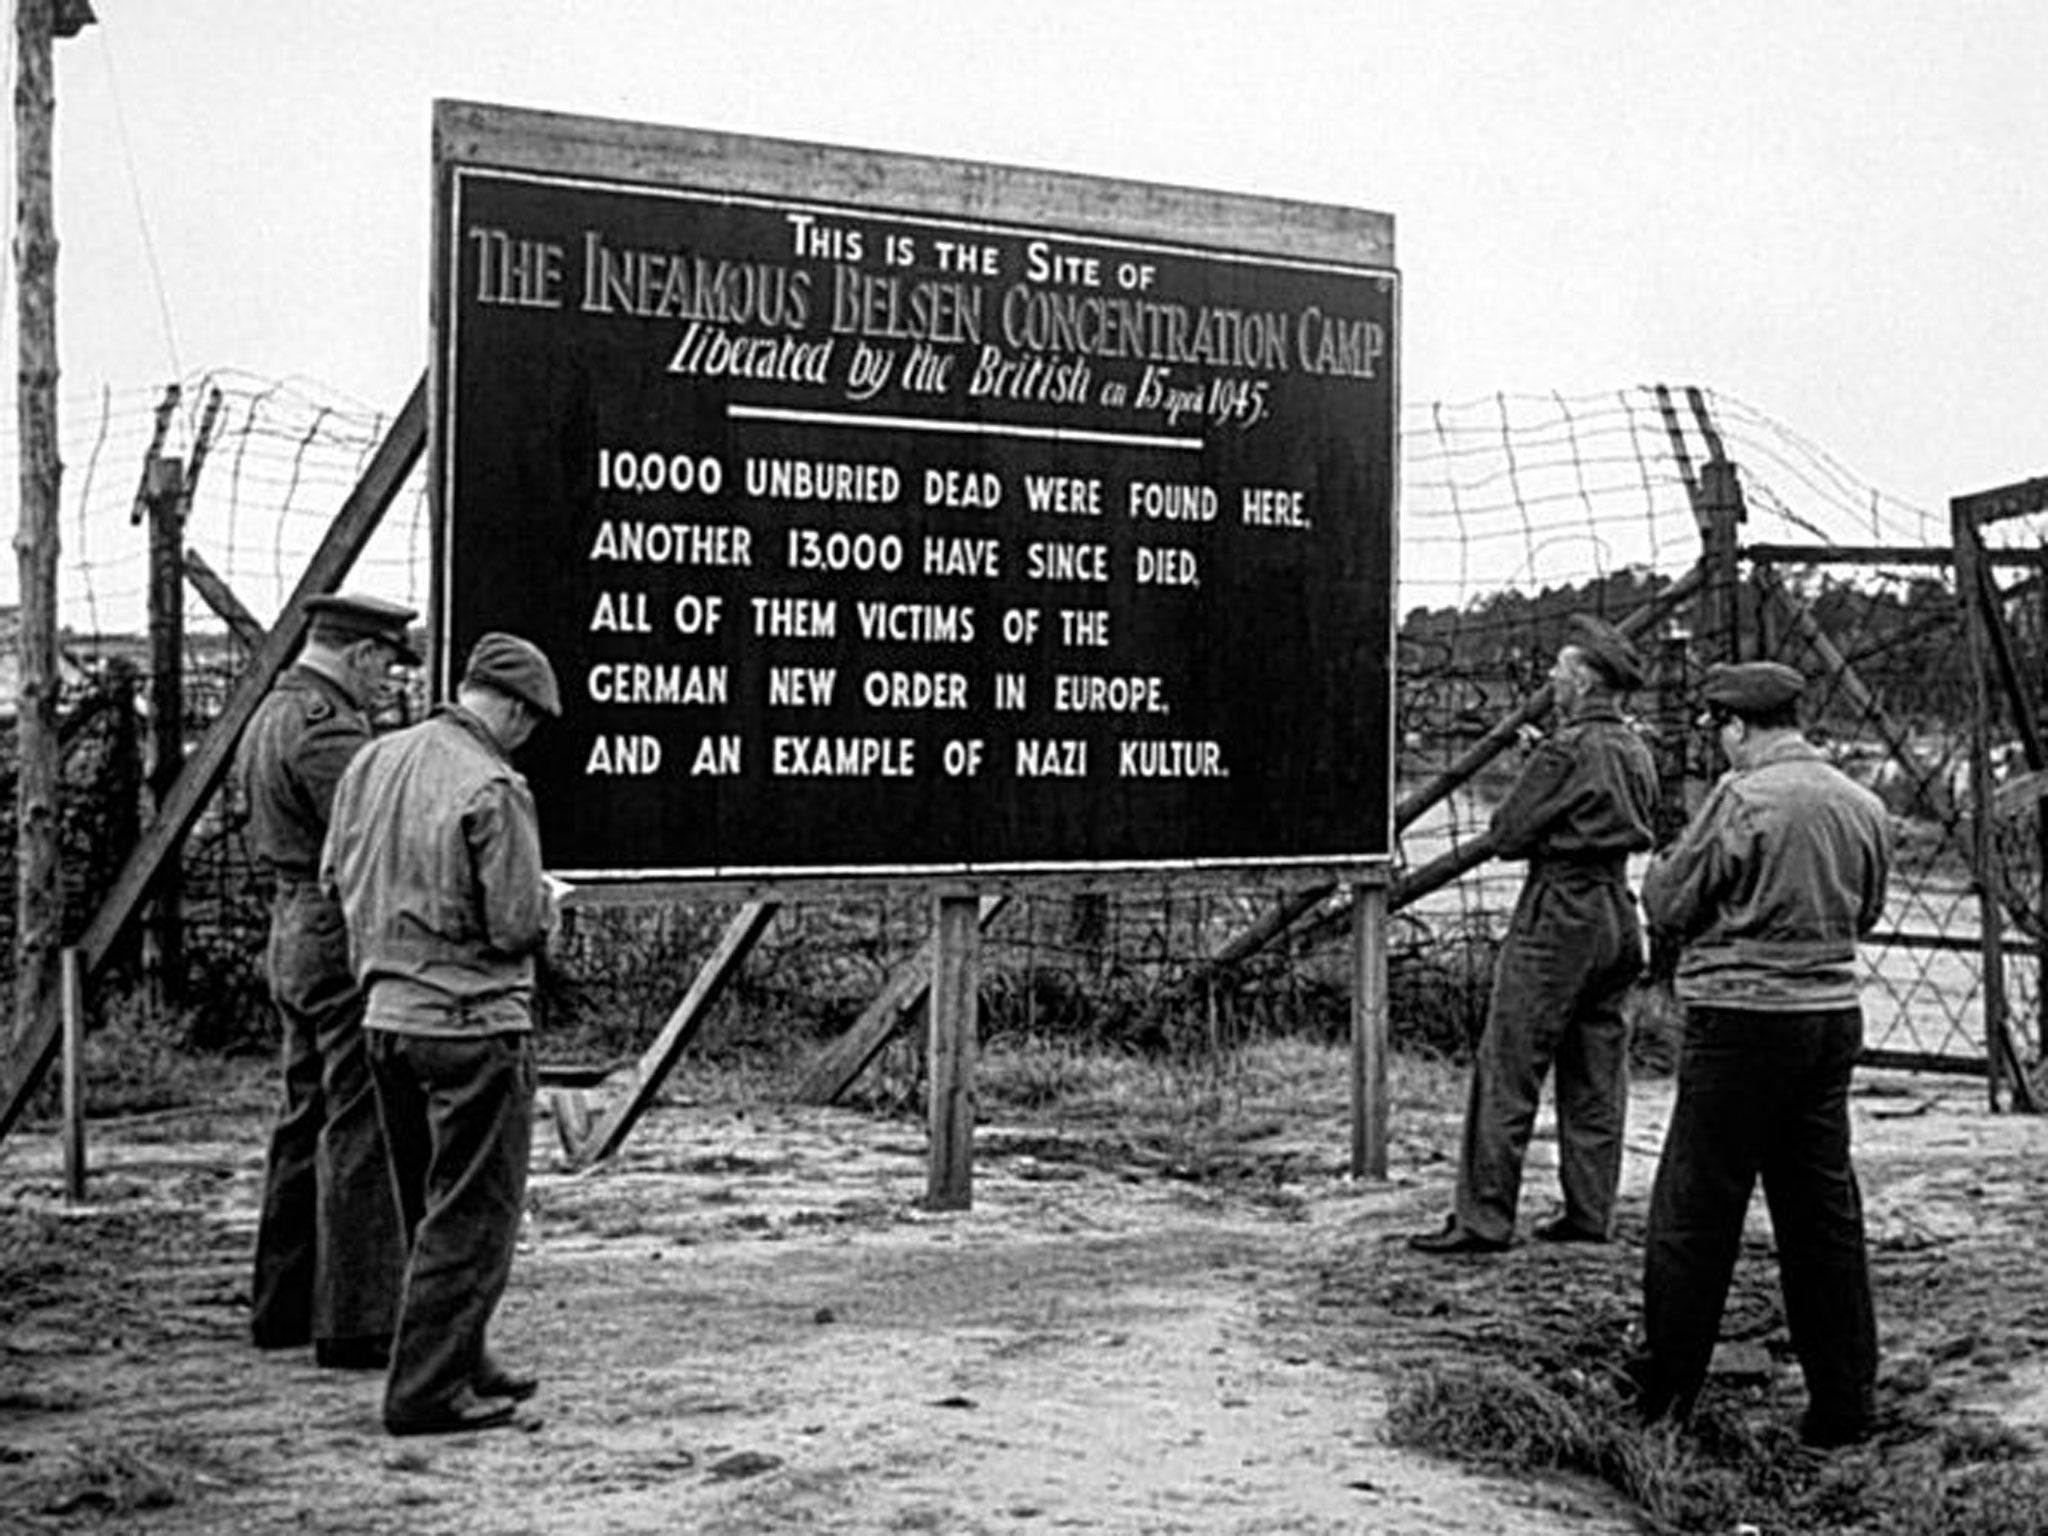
(968, 428)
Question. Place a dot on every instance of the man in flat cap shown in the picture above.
(1768, 889)
(1581, 805)
(435, 851)
(329, 1253)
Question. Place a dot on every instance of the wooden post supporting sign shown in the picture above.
(956, 984)
(1369, 1113)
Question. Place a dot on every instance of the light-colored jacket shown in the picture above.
(434, 850)
(1779, 873)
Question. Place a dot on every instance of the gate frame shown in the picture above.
(1718, 503)
(1995, 669)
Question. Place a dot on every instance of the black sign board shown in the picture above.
(901, 520)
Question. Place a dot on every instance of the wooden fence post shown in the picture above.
(74, 1078)
(1720, 510)
(164, 946)
(39, 882)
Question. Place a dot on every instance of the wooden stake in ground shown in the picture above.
(39, 892)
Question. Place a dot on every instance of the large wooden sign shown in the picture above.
(892, 516)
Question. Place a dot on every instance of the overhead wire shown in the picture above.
(100, 35)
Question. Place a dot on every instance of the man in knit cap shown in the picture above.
(435, 851)
(1768, 889)
(1581, 805)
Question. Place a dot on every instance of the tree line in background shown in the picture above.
(1902, 632)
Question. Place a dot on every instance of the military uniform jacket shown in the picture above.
(1584, 798)
(301, 738)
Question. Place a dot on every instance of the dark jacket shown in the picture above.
(1585, 796)
(303, 734)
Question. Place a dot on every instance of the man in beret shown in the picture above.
(1581, 805)
(329, 1252)
(1768, 889)
(435, 851)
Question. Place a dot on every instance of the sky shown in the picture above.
(1837, 212)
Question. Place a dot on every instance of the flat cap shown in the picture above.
(1752, 687)
(1608, 649)
(341, 617)
(515, 666)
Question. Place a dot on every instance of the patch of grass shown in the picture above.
(1268, 1113)
(1493, 1416)
(133, 1066)
(1028, 1075)
(1509, 1420)
(1731, 1467)
(1239, 1091)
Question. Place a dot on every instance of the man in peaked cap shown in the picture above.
(1768, 889)
(1756, 691)
(435, 851)
(329, 1253)
(339, 619)
(1581, 805)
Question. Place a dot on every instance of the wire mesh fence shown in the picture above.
(1516, 511)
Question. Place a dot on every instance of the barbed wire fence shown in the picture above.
(1516, 510)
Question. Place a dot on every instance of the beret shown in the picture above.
(515, 666)
(341, 617)
(1752, 687)
(1608, 649)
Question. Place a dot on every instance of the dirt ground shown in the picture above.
(747, 1323)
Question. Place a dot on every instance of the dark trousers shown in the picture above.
(1761, 1096)
(1573, 949)
(458, 1116)
(329, 1252)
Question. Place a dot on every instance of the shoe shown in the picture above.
(1824, 1432)
(493, 1380)
(1649, 1400)
(1453, 1238)
(1562, 1229)
(467, 1413)
(371, 1353)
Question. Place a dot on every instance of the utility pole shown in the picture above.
(39, 893)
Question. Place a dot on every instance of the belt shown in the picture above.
(1580, 866)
